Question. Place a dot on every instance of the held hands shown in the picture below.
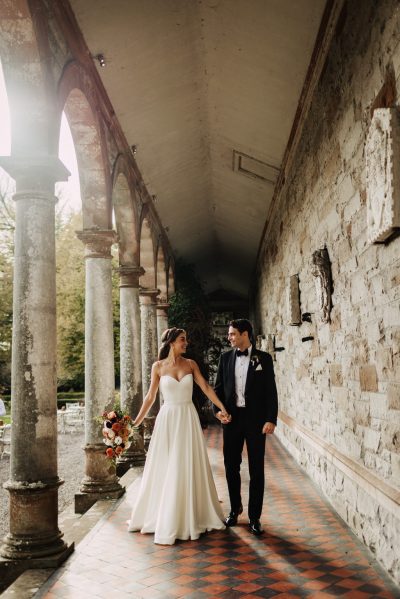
(268, 428)
(223, 417)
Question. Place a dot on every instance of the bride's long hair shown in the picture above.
(168, 337)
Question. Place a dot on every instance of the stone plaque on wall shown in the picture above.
(382, 154)
(294, 312)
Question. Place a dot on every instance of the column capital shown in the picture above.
(130, 275)
(163, 305)
(148, 296)
(34, 172)
(97, 242)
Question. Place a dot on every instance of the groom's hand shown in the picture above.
(268, 428)
(223, 417)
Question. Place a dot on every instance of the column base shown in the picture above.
(130, 460)
(100, 482)
(11, 569)
(135, 455)
(84, 501)
(34, 532)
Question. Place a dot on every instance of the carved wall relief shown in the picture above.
(294, 313)
(321, 270)
(382, 156)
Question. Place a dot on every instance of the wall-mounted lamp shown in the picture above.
(100, 59)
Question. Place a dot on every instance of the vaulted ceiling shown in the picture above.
(207, 90)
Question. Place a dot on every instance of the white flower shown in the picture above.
(108, 442)
(111, 434)
(127, 445)
(118, 440)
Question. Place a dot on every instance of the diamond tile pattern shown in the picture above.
(306, 551)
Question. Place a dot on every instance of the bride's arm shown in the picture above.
(206, 388)
(150, 396)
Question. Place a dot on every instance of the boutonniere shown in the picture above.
(255, 362)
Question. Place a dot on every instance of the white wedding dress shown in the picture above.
(177, 498)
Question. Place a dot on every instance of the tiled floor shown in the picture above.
(306, 550)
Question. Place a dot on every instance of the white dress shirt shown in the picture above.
(241, 368)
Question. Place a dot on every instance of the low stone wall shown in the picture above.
(359, 497)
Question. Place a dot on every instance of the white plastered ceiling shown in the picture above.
(191, 81)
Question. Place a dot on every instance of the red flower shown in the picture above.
(116, 426)
(118, 450)
(109, 452)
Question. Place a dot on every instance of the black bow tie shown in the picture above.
(242, 353)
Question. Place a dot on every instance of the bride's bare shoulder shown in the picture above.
(191, 363)
(157, 366)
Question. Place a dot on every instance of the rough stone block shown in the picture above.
(336, 376)
(393, 396)
(359, 289)
(391, 315)
(372, 439)
(382, 154)
(368, 378)
(378, 406)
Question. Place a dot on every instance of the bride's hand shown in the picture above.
(224, 417)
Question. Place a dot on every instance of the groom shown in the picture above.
(246, 386)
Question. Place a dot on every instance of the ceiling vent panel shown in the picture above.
(256, 169)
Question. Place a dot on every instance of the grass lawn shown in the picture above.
(6, 419)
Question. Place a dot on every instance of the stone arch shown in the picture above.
(148, 280)
(5, 142)
(123, 201)
(161, 273)
(76, 98)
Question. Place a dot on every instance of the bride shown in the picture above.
(177, 498)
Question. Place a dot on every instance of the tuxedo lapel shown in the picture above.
(250, 372)
(232, 359)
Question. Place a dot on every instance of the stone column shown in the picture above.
(148, 303)
(162, 318)
(131, 361)
(162, 325)
(34, 537)
(100, 481)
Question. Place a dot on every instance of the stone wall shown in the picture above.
(340, 391)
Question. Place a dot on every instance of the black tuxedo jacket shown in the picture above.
(260, 391)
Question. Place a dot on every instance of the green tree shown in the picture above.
(189, 310)
(71, 307)
(70, 284)
(7, 226)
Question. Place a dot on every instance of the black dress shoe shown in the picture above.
(255, 527)
(232, 519)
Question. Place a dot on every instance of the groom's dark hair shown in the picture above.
(242, 325)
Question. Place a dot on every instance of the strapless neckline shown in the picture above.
(174, 379)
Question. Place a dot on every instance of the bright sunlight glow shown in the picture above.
(68, 192)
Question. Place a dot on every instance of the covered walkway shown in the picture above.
(307, 550)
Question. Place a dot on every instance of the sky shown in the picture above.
(69, 192)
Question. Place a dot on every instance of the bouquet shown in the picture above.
(117, 433)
